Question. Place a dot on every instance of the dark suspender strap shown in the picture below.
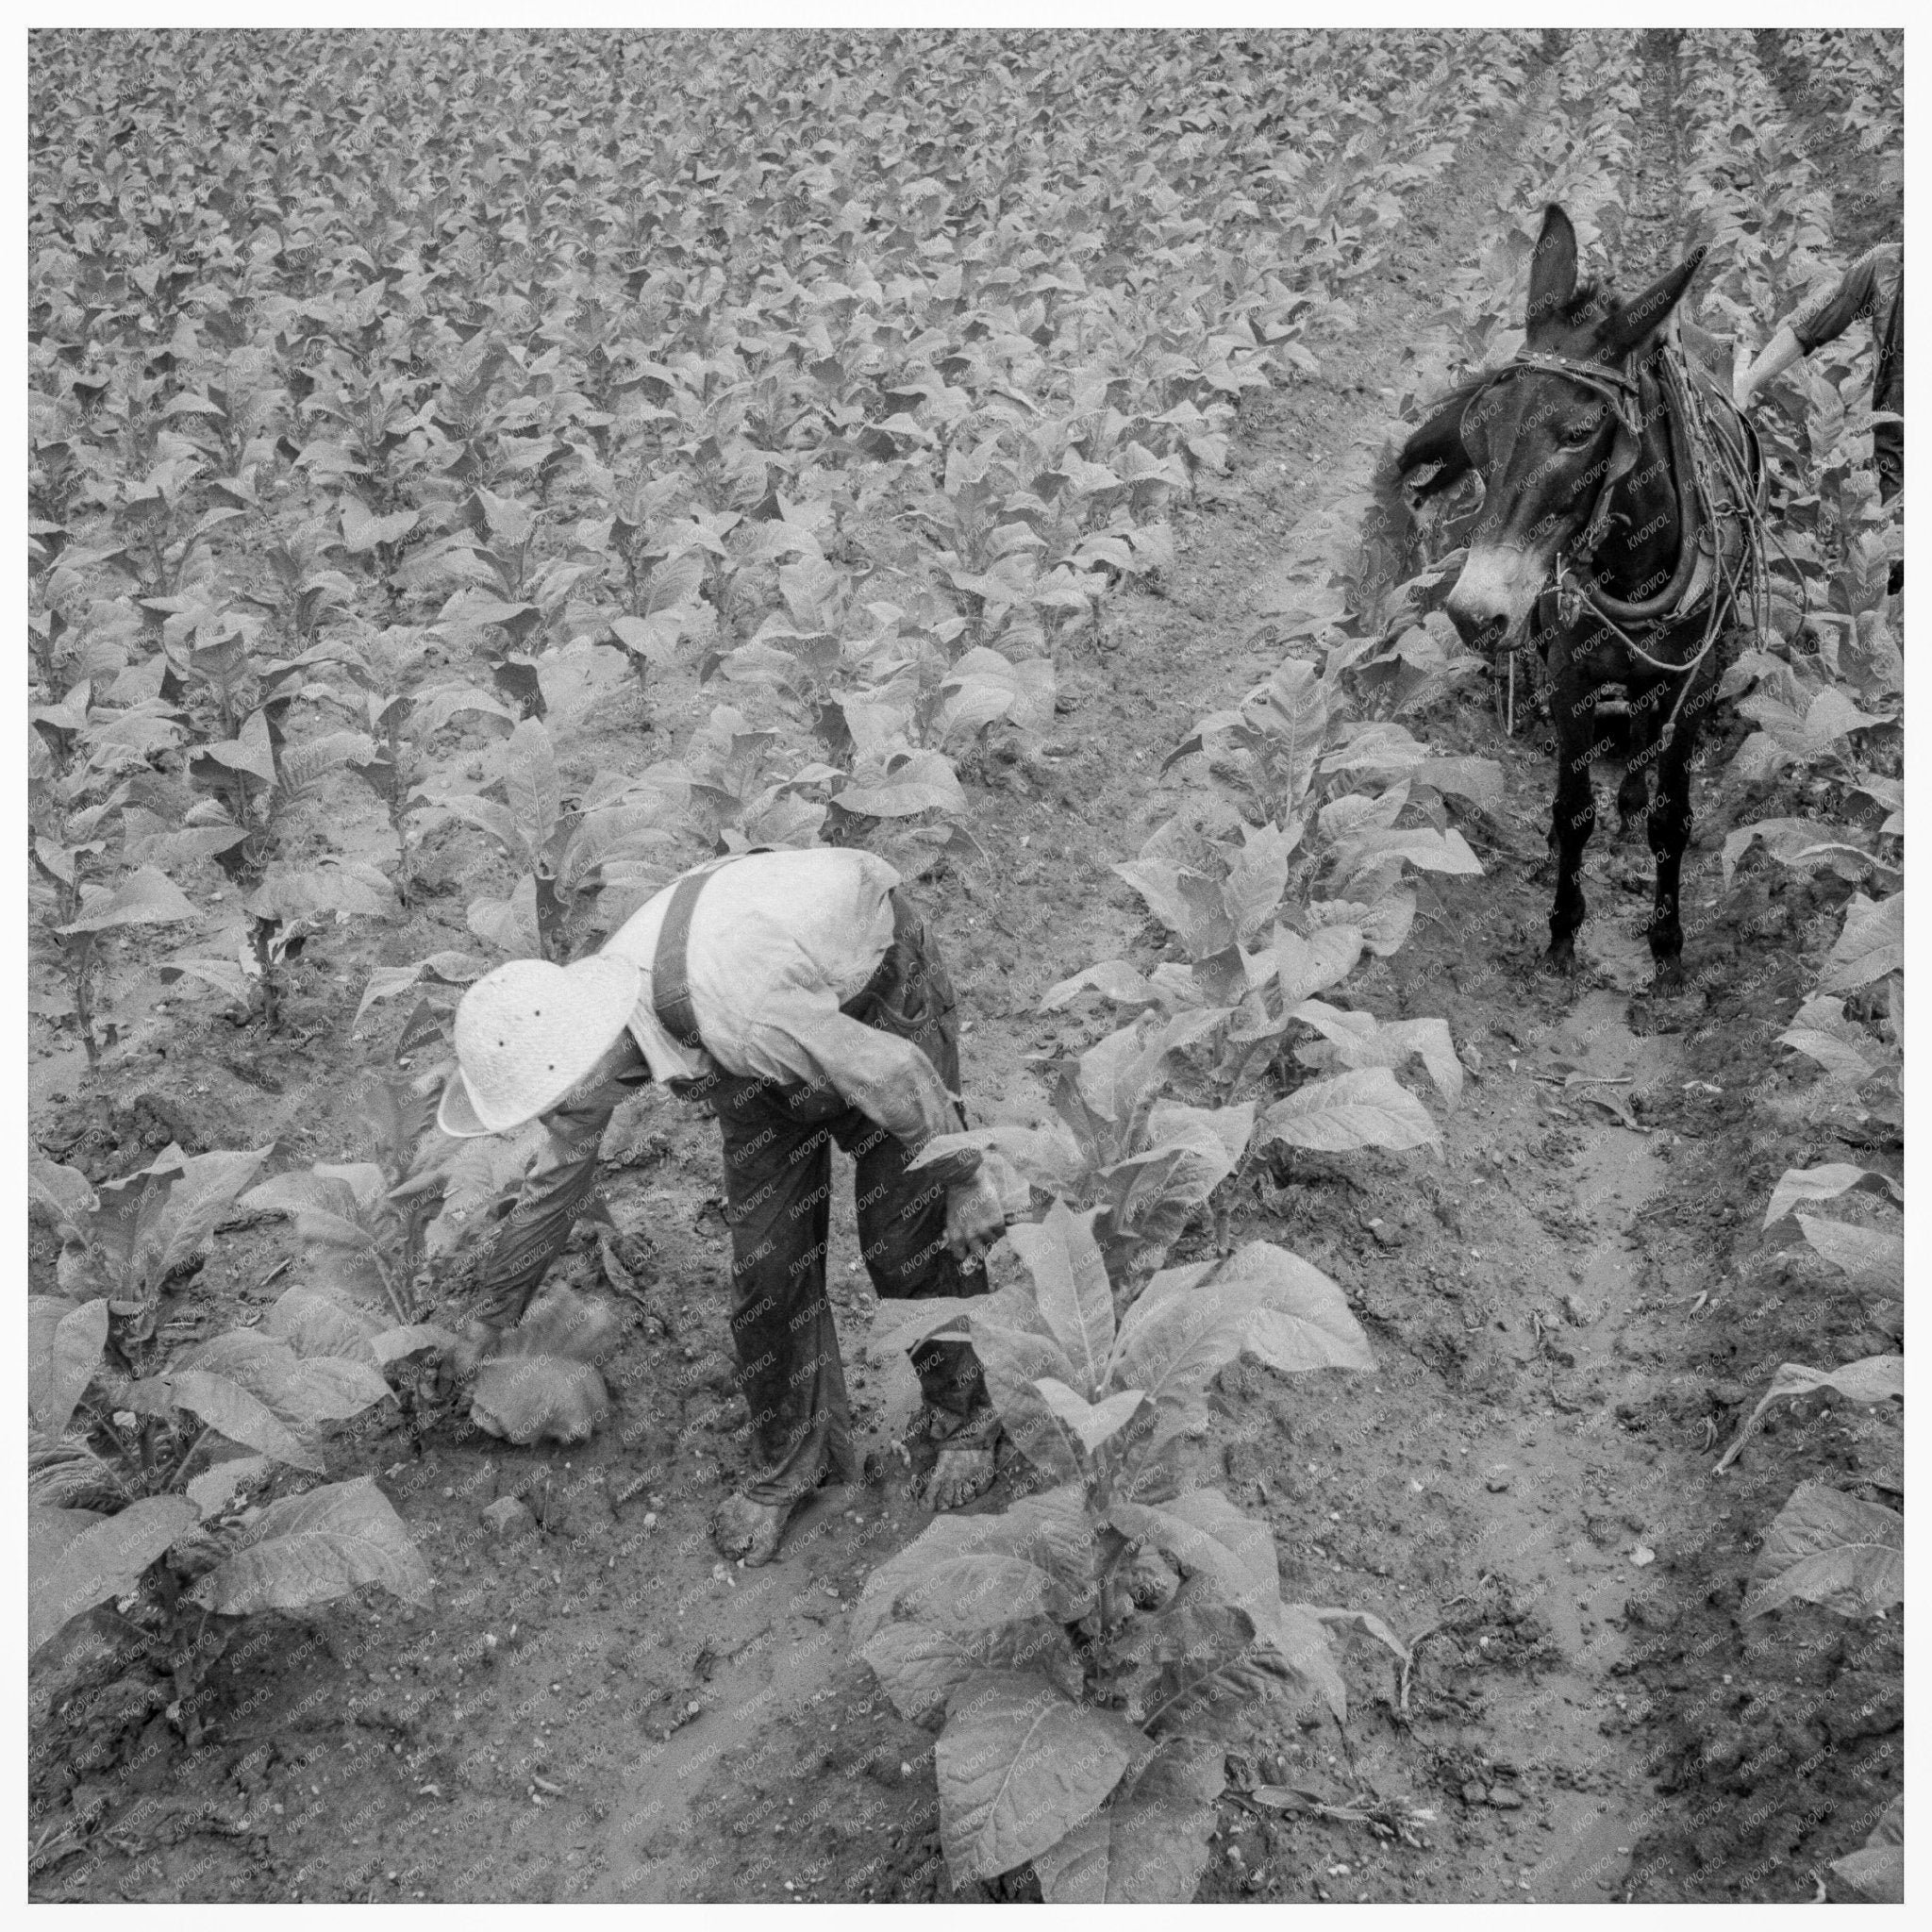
(671, 963)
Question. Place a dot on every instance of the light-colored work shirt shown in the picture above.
(778, 941)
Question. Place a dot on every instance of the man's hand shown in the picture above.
(974, 1220)
(477, 1340)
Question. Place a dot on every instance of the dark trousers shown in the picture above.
(777, 1182)
(1889, 459)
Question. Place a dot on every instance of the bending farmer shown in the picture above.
(798, 991)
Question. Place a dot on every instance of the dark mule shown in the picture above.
(1621, 494)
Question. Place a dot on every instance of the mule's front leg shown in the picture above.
(1572, 818)
(1670, 833)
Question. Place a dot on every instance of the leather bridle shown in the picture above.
(1621, 391)
(1681, 597)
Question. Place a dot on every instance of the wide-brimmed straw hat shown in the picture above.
(528, 1033)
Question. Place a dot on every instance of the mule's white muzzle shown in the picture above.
(1498, 586)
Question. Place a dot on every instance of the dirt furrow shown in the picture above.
(1049, 904)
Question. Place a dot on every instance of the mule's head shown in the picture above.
(1545, 443)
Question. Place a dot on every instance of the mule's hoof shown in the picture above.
(1668, 976)
(1561, 956)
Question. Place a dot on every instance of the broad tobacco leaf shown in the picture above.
(1092, 1423)
(1071, 1288)
(921, 1665)
(1825, 1184)
(1203, 1663)
(57, 1195)
(453, 968)
(1871, 1257)
(1480, 780)
(1207, 1535)
(1258, 876)
(1360, 1039)
(1877, 1870)
(249, 752)
(144, 897)
(59, 1371)
(1312, 964)
(984, 686)
(342, 1223)
(1873, 1378)
(215, 1489)
(1826, 1547)
(967, 1574)
(1051, 1158)
(1871, 945)
(901, 783)
(1419, 846)
(1018, 1765)
(1148, 1844)
(511, 925)
(228, 1408)
(104, 1561)
(313, 1548)
(150, 1224)
(1114, 979)
(1367, 1107)
(1294, 1317)
(1801, 844)
(1187, 903)
(1190, 1152)
(334, 889)
(303, 1391)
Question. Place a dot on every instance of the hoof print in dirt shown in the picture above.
(542, 1384)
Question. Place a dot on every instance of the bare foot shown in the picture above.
(960, 1475)
(752, 1530)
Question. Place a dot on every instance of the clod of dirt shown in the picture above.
(507, 1518)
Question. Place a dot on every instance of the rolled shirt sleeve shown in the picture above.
(889, 1079)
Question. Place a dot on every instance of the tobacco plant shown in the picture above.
(151, 1441)
(1089, 1655)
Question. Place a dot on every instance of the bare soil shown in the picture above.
(1572, 1311)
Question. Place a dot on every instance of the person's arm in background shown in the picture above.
(1820, 318)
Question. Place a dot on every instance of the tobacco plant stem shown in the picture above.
(83, 1003)
(268, 972)
(187, 1456)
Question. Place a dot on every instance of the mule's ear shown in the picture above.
(1636, 321)
(1438, 441)
(1551, 273)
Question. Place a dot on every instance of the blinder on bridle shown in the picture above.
(1618, 390)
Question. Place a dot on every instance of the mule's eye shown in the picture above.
(1577, 434)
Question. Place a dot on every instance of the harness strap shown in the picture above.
(1704, 574)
